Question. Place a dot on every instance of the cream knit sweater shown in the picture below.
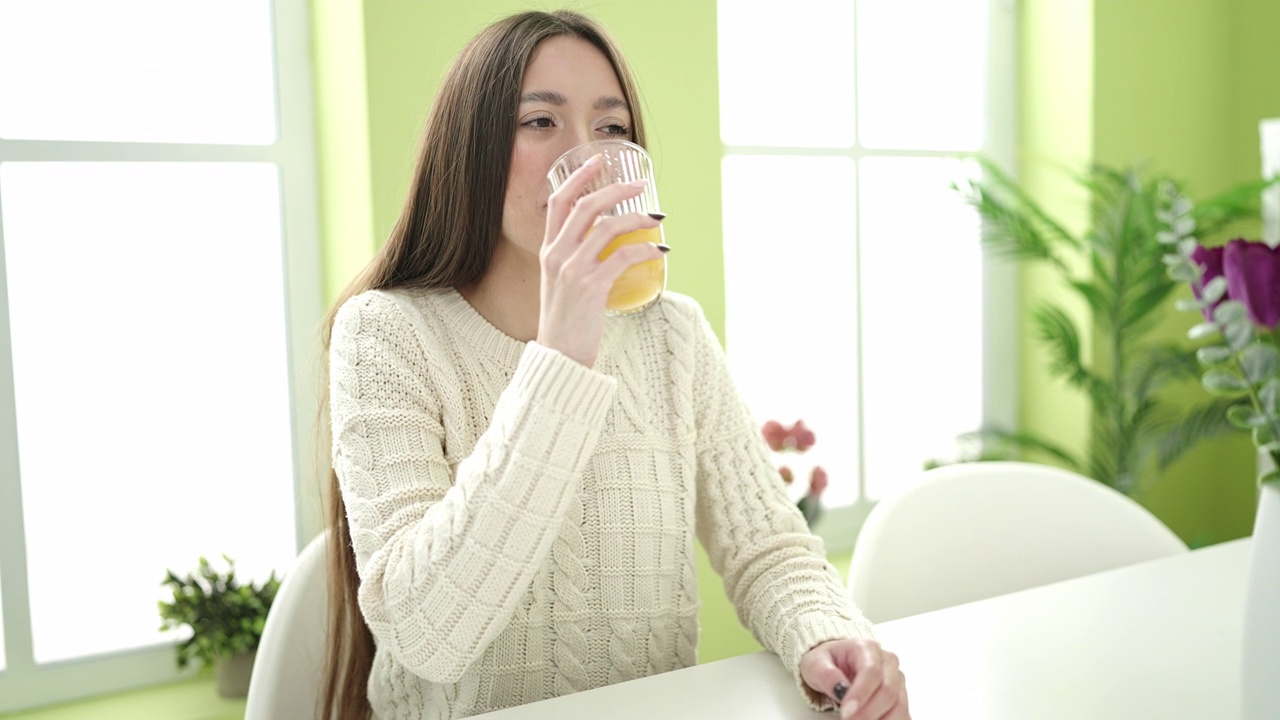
(524, 526)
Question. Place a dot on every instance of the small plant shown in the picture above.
(798, 439)
(226, 618)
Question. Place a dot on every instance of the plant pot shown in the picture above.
(1261, 659)
(233, 675)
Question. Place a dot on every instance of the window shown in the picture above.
(158, 320)
(857, 295)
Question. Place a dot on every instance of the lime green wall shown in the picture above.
(1181, 87)
(1055, 103)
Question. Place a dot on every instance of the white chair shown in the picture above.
(976, 530)
(288, 672)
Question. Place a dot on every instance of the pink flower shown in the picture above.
(774, 435)
(802, 438)
(817, 481)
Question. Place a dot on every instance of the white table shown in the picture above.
(1159, 640)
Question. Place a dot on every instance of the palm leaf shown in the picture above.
(1010, 233)
(1162, 364)
(1237, 203)
(998, 179)
(1065, 349)
(1024, 441)
(1206, 421)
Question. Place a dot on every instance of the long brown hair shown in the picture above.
(445, 237)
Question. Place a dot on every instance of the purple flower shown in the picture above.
(1253, 278)
(1211, 260)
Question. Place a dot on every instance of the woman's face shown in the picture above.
(570, 96)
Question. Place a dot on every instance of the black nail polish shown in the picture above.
(664, 247)
(839, 691)
(657, 215)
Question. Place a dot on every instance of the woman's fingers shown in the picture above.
(626, 256)
(561, 201)
(587, 210)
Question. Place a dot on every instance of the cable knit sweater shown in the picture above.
(524, 526)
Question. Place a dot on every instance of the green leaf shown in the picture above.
(1213, 355)
(1203, 330)
(1183, 272)
(1269, 396)
(1260, 362)
(1024, 441)
(1245, 417)
(1214, 290)
(1203, 422)
(1229, 311)
(1239, 334)
(1264, 436)
(1271, 477)
(1224, 383)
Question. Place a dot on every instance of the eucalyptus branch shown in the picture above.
(1246, 365)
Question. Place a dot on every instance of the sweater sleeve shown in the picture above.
(444, 560)
(774, 569)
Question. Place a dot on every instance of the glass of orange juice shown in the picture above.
(621, 161)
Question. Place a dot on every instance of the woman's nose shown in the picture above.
(579, 136)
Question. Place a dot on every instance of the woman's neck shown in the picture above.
(508, 295)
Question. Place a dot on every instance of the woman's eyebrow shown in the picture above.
(610, 102)
(551, 97)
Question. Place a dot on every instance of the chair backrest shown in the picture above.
(976, 530)
(288, 671)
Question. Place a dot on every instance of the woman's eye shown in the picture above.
(538, 123)
(615, 129)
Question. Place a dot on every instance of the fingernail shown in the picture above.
(658, 215)
(847, 711)
(638, 184)
(839, 690)
(592, 161)
(664, 247)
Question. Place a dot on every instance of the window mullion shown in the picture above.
(16, 614)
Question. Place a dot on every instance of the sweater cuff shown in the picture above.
(811, 632)
(564, 386)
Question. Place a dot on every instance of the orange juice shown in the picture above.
(641, 283)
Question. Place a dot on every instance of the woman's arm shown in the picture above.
(443, 561)
(775, 571)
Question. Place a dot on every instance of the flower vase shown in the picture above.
(1261, 658)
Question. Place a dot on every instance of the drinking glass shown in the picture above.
(640, 285)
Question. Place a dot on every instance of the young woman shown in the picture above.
(519, 479)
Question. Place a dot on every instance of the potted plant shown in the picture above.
(225, 618)
(1124, 284)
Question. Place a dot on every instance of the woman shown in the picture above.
(518, 479)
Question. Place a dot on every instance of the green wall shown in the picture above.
(1179, 87)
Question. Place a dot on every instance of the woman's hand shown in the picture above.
(575, 282)
(862, 678)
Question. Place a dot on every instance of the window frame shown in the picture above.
(23, 683)
(840, 525)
